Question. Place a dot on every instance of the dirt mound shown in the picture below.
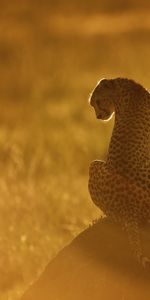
(98, 264)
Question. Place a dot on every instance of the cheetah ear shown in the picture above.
(106, 83)
(103, 82)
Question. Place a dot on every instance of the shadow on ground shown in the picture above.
(97, 265)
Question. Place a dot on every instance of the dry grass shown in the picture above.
(49, 134)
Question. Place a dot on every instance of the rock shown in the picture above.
(98, 264)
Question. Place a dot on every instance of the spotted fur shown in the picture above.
(120, 186)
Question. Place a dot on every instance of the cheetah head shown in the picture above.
(102, 99)
(119, 95)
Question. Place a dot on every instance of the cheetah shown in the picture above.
(120, 186)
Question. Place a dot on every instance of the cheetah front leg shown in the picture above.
(133, 232)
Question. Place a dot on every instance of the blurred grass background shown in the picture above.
(52, 53)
